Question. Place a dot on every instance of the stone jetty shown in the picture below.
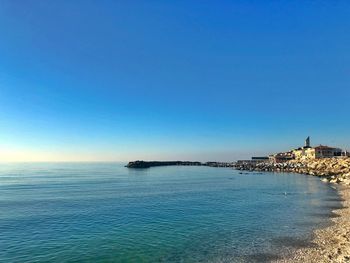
(334, 170)
(148, 164)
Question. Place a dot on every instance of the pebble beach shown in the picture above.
(331, 244)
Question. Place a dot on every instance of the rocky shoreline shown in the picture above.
(333, 170)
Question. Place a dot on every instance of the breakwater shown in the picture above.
(148, 164)
(334, 170)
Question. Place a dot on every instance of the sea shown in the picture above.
(105, 212)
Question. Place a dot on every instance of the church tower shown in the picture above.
(307, 142)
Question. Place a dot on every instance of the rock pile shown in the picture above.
(334, 170)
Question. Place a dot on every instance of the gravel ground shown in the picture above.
(333, 242)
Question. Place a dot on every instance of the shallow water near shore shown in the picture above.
(104, 212)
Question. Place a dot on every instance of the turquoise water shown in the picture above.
(107, 213)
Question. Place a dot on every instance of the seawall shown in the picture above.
(148, 164)
(334, 170)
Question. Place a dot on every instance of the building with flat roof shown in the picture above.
(308, 152)
(260, 158)
(281, 157)
(321, 151)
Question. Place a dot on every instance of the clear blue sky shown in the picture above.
(199, 80)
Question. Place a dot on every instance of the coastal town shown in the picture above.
(332, 163)
(303, 153)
